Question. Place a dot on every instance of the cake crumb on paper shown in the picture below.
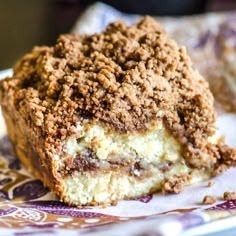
(210, 183)
(229, 196)
(208, 199)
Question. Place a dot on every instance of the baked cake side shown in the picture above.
(115, 115)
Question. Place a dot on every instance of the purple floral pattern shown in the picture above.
(58, 208)
(50, 204)
(8, 211)
(30, 190)
(144, 199)
(228, 205)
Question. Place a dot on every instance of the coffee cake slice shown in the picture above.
(110, 116)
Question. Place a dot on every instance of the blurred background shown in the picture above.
(26, 23)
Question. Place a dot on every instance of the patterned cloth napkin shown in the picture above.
(28, 208)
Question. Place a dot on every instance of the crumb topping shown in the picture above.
(125, 77)
(210, 183)
(208, 199)
(175, 184)
(229, 196)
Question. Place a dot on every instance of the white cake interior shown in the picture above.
(153, 148)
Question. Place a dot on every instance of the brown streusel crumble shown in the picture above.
(209, 199)
(175, 184)
(229, 196)
(210, 183)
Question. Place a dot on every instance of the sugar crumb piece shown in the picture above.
(208, 199)
(175, 184)
(210, 183)
(114, 202)
(229, 196)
